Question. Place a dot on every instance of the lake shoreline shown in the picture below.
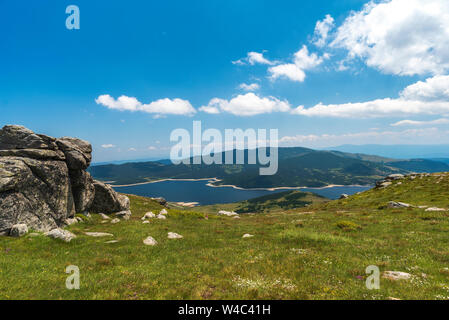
(215, 180)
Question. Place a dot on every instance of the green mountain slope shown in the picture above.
(296, 167)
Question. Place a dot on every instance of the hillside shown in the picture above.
(297, 167)
(318, 252)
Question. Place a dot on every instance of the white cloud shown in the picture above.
(296, 71)
(248, 104)
(152, 148)
(249, 87)
(401, 37)
(420, 123)
(132, 149)
(422, 98)
(107, 146)
(433, 89)
(160, 107)
(322, 30)
(410, 136)
(253, 58)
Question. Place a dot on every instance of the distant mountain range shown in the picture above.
(297, 167)
(398, 151)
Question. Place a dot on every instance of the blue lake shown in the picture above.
(198, 191)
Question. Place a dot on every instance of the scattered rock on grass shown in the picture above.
(396, 275)
(163, 211)
(172, 235)
(247, 235)
(112, 241)
(124, 214)
(344, 196)
(145, 222)
(394, 204)
(435, 209)
(149, 215)
(98, 234)
(104, 217)
(227, 213)
(116, 220)
(162, 217)
(61, 234)
(149, 241)
(18, 230)
(70, 221)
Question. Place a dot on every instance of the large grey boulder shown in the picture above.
(78, 152)
(43, 181)
(106, 200)
(34, 192)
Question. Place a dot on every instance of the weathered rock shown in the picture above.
(145, 222)
(18, 137)
(149, 215)
(107, 200)
(78, 152)
(71, 221)
(38, 154)
(161, 216)
(124, 214)
(111, 241)
(394, 204)
(61, 234)
(116, 220)
(173, 235)
(227, 213)
(149, 241)
(34, 192)
(396, 275)
(83, 189)
(104, 217)
(18, 230)
(344, 196)
(163, 211)
(434, 209)
(98, 234)
(247, 235)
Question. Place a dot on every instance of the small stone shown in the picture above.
(104, 217)
(394, 204)
(125, 215)
(69, 221)
(116, 220)
(150, 241)
(18, 230)
(236, 217)
(396, 275)
(162, 217)
(247, 235)
(172, 235)
(112, 241)
(227, 213)
(434, 209)
(344, 196)
(149, 215)
(61, 234)
(163, 211)
(396, 176)
(98, 234)
(146, 221)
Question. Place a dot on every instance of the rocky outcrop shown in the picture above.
(43, 181)
(107, 200)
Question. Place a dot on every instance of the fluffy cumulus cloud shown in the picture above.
(322, 30)
(159, 107)
(421, 98)
(295, 71)
(253, 58)
(400, 37)
(248, 104)
(249, 87)
(409, 136)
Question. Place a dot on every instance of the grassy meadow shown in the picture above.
(316, 252)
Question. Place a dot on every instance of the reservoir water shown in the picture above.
(198, 191)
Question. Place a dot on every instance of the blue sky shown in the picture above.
(171, 58)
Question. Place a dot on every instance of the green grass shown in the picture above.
(318, 252)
